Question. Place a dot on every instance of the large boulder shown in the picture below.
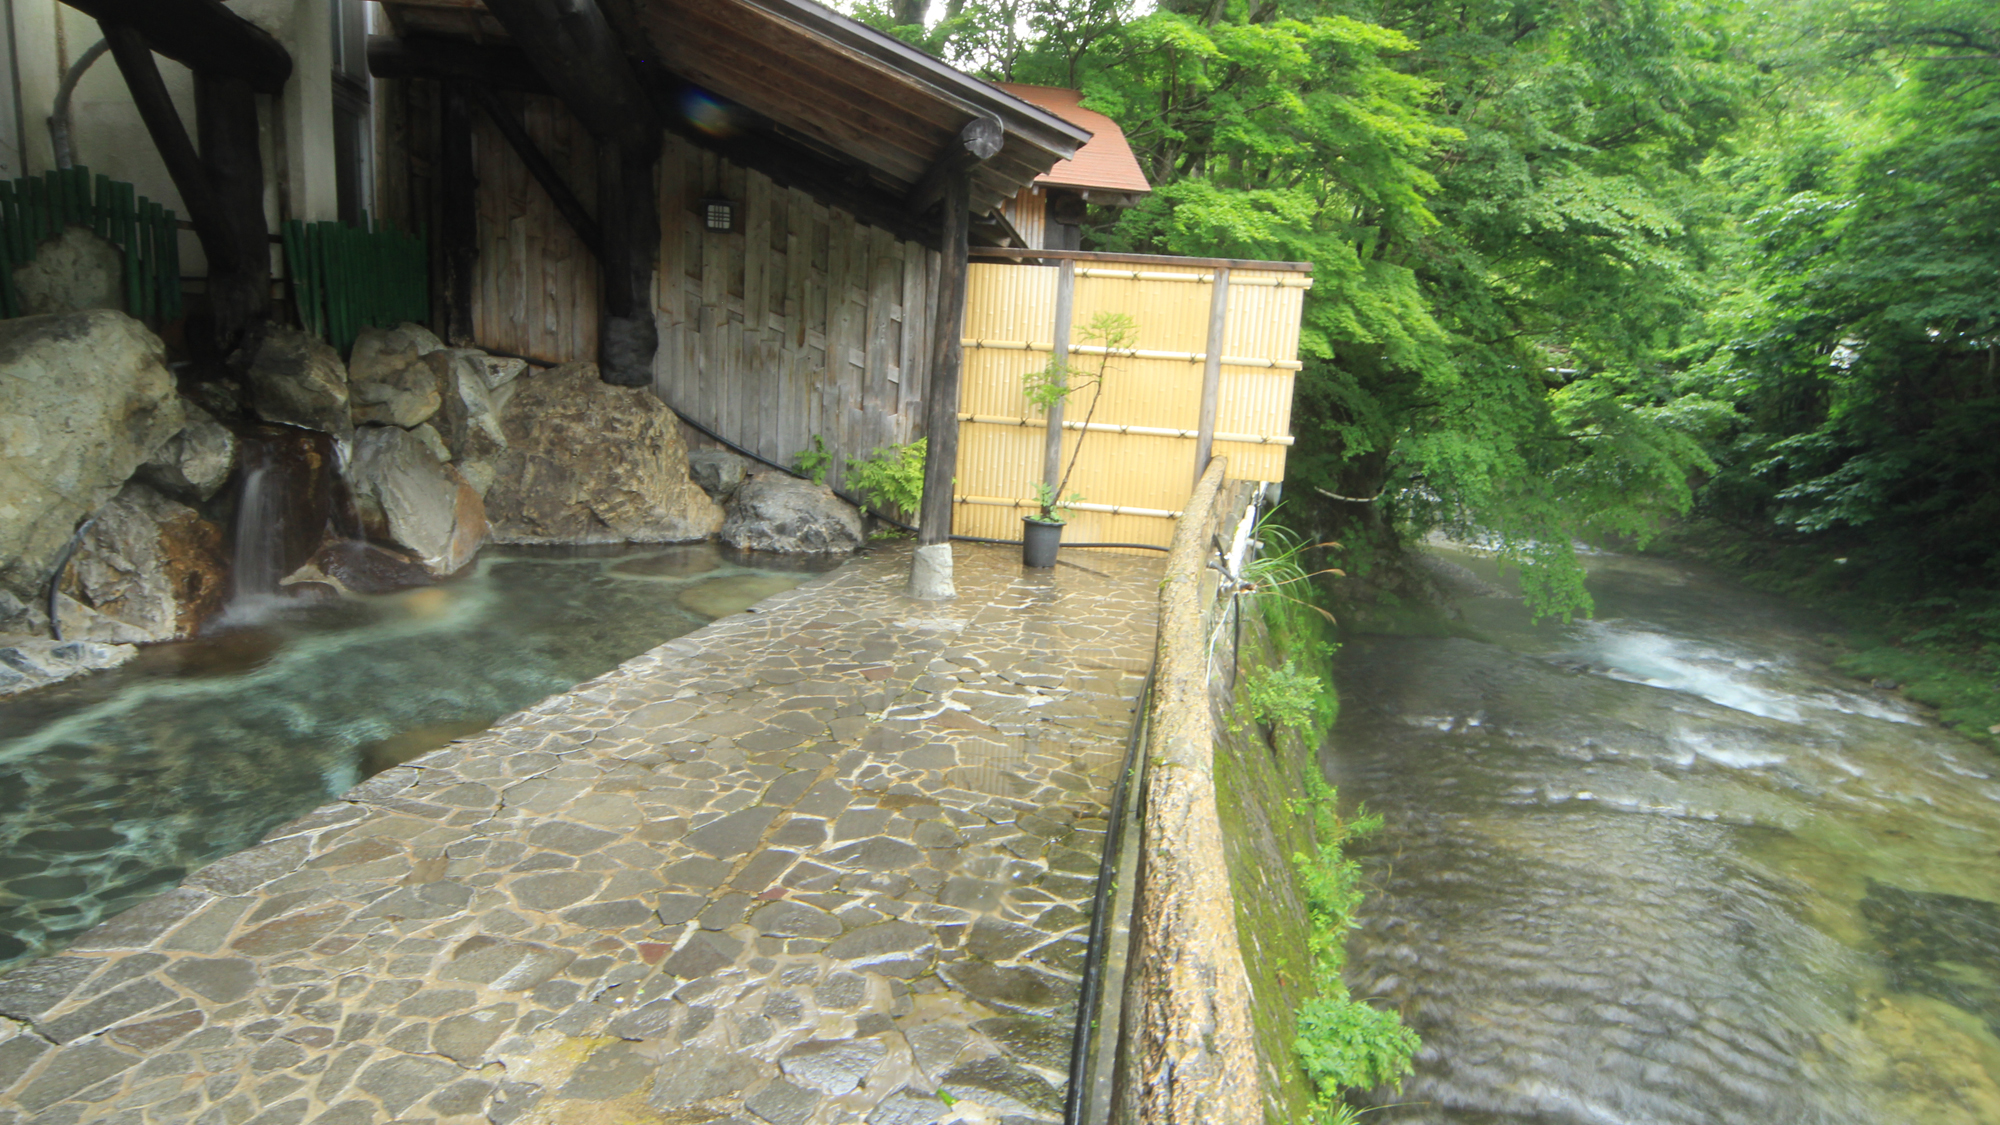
(32, 662)
(775, 511)
(192, 465)
(388, 382)
(148, 569)
(471, 427)
(73, 271)
(719, 472)
(587, 462)
(85, 399)
(379, 355)
(407, 499)
(296, 378)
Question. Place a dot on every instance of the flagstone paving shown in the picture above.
(814, 863)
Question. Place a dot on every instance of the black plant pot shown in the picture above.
(1039, 540)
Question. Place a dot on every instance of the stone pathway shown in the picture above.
(815, 863)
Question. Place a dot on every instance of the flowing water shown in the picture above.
(1669, 866)
(114, 786)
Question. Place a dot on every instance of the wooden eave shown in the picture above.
(834, 88)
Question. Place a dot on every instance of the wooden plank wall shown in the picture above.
(800, 321)
(536, 289)
(1009, 324)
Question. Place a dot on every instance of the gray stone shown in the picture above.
(673, 909)
(501, 370)
(401, 1081)
(734, 834)
(1004, 1084)
(612, 1071)
(222, 980)
(250, 869)
(407, 498)
(694, 1074)
(148, 569)
(379, 355)
(1043, 1043)
(840, 991)
(725, 912)
(573, 839)
(782, 1103)
(720, 597)
(466, 1096)
(114, 1007)
(705, 952)
(466, 1038)
(907, 1107)
(471, 426)
(618, 915)
(31, 989)
(795, 919)
(191, 465)
(27, 663)
(776, 511)
(434, 442)
(719, 472)
(897, 949)
(1023, 991)
(296, 378)
(85, 399)
(554, 890)
(409, 398)
(588, 462)
(833, 1066)
(18, 1052)
(994, 940)
(876, 853)
(74, 271)
(510, 966)
(72, 1071)
(930, 573)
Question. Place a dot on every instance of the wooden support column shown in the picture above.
(539, 166)
(1211, 371)
(458, 226)
(235, 298)
(947, 356)
(1065, 314)
(226, 123)
(203, 35)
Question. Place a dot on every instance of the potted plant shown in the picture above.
(1107, 334)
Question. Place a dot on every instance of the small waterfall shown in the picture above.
(290, 501)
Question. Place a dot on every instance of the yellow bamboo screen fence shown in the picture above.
(1139, 456)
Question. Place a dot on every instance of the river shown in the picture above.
(1668, 865)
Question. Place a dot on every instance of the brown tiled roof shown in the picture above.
(1104, 164)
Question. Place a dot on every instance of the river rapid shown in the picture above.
(1667, 865)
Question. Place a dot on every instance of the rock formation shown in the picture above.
(85, 399)
(296, 379)
(587, 462)
(194, 463)
(774, 511)
(148, 569)
(407, 498)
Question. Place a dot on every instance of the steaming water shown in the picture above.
(1668, 866)
(114, 786)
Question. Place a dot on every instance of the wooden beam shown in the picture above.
(458, 226)
(977, 142)
(538, 166)
(203, 35)
(947, 356)
(435, 57)
(575, 50)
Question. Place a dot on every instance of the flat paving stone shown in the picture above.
(811, 864)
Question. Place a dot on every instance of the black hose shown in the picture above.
(62, 568)
(1092, 986)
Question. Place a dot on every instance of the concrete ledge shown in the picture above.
(1189, 1050)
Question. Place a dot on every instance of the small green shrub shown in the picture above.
(1287, 698)
(891, 478)
(812, 463)
(1342, 1042)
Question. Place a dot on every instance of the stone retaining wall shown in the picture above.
(1189, 1051)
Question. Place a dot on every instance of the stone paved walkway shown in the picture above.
(811, 864)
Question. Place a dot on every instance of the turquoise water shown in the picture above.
(114, 786)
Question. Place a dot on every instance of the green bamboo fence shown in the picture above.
(347, 278)
(34, 209)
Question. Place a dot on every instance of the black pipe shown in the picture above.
(62, 568)
(1092, 986)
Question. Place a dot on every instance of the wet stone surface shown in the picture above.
(814, 863)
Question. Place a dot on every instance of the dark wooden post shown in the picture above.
(458, 225)
(226, 123)
(949, 182)
(236, 298)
